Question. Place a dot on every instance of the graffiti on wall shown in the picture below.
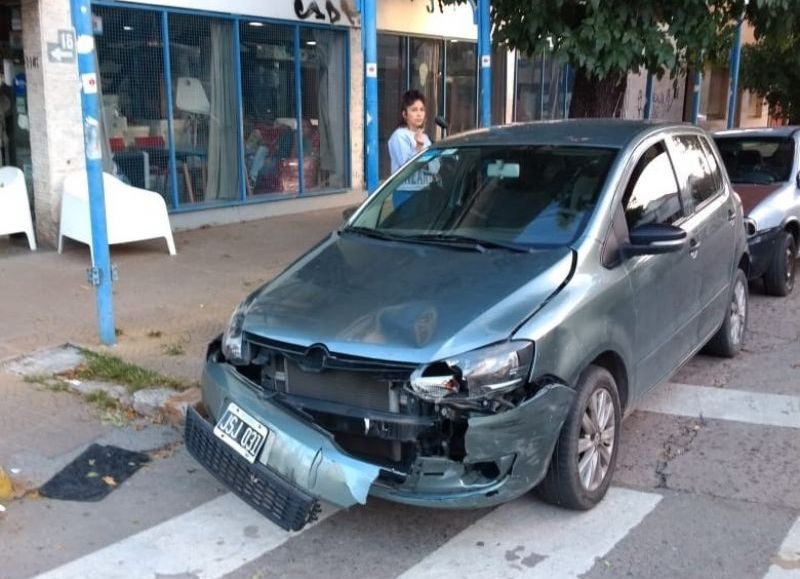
(305, 10)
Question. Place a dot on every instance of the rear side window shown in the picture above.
(716, 171)
(694, 173)
(652, 192)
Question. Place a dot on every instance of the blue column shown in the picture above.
(648, 97)
(173, 165)
(736, 51)
(370, 36)
(101, 268)
(298, 95)
(485, 59)
(698, 81)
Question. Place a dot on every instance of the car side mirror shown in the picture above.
(654, 238)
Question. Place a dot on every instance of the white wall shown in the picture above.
(415, 17)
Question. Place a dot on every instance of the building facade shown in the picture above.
(233, 115)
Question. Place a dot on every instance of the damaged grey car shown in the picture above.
(480, 326)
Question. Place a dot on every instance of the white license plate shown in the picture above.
(241, 432)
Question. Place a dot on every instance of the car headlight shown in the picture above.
(233, 347)
(477, 374)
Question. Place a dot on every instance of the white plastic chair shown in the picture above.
(15, 210)
(132, 214)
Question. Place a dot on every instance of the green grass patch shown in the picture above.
(112, 369)
(48, 381)
(102, 399)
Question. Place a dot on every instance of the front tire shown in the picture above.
(585, 455)
(728, 340)
(779, 279)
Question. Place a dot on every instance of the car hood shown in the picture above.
(404, 302)
(752, 195)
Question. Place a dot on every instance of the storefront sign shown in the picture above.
(64, 49)
(427, 17)
(335, 12)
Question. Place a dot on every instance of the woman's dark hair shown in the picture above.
(409, 98)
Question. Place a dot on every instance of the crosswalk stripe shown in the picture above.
(786, 564)
(526, 538)
(724, 404)
(207, 542)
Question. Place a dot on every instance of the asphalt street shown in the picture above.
(706, 486)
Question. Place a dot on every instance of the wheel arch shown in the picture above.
(793, 227)
(613, 362)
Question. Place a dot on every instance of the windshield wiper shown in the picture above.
(369, 232)
(479, 244)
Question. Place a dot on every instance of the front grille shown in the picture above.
(357, 382)
(359, 389)
(280, 501)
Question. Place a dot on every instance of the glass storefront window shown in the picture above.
(269, 102)
(444, 71)
(540, 88)
(204, 108)
(235, 132)
(131, 66)
(324, 81)
(392, 68)
(462, 85)
(425, 75)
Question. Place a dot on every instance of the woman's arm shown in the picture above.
(401, 149)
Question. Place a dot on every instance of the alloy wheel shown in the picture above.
(790, 266)
(596, 441)
(738, 315)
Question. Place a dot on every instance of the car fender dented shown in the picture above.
(528, 431)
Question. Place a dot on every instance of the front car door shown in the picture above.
(711, 221)
(665, 287)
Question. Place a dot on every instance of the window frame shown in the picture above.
(628, 183)
(690, 205)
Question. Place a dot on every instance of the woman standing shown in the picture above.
(409, 138)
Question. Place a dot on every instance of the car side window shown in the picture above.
(716, 172)
(652, 193)
(694, 173)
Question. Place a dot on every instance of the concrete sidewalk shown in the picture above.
(163, 305)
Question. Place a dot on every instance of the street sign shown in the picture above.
(64, 49)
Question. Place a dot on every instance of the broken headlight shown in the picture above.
(233, 347)
(477, 374)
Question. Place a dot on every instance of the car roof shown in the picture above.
(607, 133)
(783, 131)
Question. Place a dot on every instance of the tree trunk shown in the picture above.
(592, 97)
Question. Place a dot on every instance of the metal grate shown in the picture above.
(280, 501)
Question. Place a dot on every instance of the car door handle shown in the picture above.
(731, 215)
(694, 245)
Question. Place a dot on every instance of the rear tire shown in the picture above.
(779, 279)
(585, 455)
(728, 340)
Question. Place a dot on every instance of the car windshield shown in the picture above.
(757, 160)
(506, 196)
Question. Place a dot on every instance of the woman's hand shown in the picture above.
(419, 138)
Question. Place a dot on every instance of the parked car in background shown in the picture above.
(764, 167)
(484, 333)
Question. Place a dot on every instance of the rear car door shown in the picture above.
(711, 218)
(665, 287)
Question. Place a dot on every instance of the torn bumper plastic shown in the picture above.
(507, 455)
(300, 464)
